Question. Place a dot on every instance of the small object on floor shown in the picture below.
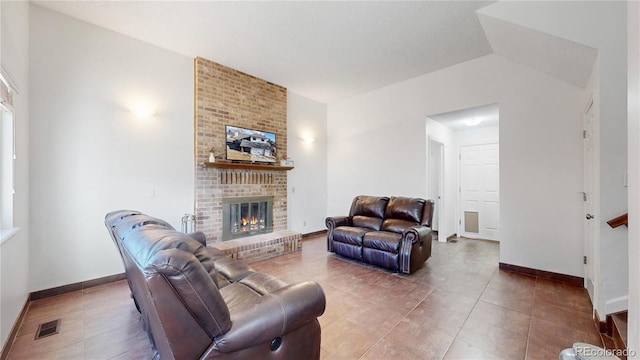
(583, 351)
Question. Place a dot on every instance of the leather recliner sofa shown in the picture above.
(392, 233)
(197, 303)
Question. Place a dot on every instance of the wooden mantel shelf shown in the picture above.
(246, 166)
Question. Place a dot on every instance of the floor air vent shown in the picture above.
(48, 328)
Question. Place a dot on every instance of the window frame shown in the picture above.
(8, 157)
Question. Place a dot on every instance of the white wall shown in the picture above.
(634, 176)
(307, 197)
(14, 253)
(478, 136)
(373, 148)
(371, 151)
(601, 25)
(89, 155)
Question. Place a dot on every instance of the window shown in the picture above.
(7, 157)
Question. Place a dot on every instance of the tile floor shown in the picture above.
(458, 306)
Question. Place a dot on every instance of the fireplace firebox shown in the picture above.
(245, 216)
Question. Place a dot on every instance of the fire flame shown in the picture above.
(252, 221)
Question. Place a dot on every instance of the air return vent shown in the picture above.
(471, 222)
(48, 328)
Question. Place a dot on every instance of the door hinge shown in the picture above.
(460, 222)
(459, 156)
(584, 196)
(584, 134)
(584, 259)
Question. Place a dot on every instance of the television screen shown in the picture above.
(250, 145)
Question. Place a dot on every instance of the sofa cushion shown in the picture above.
(232, 269)
(367, 222)
(349, 235)
(263, 283)
(372, 206)
(238, 296)
(397, 225)
(382, 240)
(404, 209)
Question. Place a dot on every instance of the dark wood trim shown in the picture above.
(245, 166)
(315, 233)
(41, 294)
(609, 325)
(619, 221)
(14, 331)
(568, 279)
(600, 325)
(619, 324)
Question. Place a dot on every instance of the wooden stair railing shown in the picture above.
(619, 221)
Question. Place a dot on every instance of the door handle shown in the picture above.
(589, 216)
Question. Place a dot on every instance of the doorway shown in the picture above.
(469, 136)
(436, 180)
(589, 198)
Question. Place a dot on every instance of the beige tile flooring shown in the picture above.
(458, 306)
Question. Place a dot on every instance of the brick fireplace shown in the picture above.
(224, 96)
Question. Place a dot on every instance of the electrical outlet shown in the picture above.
(304, 222)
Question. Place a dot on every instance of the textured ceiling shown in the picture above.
(325, 51)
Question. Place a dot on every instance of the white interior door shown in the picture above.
(479, 191)
(588, 197)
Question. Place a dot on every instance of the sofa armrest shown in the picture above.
(275, 314)
(335, 221)
(417, 233)
(332, 223)
(415, 248)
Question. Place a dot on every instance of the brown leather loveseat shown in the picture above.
(197, 303)
(393, 233)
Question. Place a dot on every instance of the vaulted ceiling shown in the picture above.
(329, 51)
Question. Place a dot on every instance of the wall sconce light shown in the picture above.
(308, 139)
(143, 113)
(142, 104)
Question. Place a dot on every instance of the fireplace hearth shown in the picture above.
(246, 216)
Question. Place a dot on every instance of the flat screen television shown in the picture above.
(250, 145)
